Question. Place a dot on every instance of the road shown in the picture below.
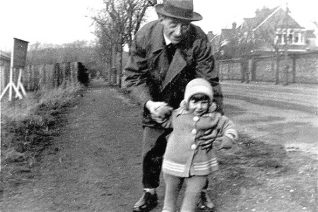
(275, 113)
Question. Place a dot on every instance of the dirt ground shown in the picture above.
(95, 162)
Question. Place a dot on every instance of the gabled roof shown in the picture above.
(227, 34)
(251, 22)
(262, 16)
(277, 16)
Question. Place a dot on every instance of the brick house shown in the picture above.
(269, 29)
(272, 46)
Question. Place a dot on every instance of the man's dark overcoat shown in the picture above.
(150, 77)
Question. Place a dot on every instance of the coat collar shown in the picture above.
(167, 40)
(158, 41)
(178, 62)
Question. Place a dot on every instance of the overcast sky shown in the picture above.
(64, 21)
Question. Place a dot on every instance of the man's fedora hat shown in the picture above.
(180, 9)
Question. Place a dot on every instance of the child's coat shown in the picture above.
(184, 156)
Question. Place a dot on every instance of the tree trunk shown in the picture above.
(252, 68)
(113, 65)
(277, 70)
(273, 64)
(120, 66)
(294, 69)
(242, 63)
(286, 66)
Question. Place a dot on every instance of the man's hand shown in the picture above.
(159, 110)
(223, 142)
(210, 136)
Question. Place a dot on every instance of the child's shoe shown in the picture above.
(147, 202)
(205, 202)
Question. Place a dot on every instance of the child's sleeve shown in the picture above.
(229, 129)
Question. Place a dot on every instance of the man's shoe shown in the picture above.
(146, 203)
(205, 202)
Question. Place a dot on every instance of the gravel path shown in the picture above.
(94, 164)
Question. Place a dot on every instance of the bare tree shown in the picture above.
(273, 36)
(266, 37)
(245, 46)
(104, 34)
(78, 51)
(116, 26)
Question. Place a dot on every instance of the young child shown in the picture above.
(185, 160)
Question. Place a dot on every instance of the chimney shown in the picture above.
(233, 25)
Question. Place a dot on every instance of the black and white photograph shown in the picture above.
(159, 106)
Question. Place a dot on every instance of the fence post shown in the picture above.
(42, 80)
(62, 74)
(26, 78)
(75, 72)
(110, 76)
(114, 75)
(50, 75)
(56, 76)
(72, 73)
(252, 68)
(67, 71)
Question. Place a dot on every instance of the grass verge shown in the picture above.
(259, 176)
(27, 128)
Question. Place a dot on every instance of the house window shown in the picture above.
(296, 38)
(279, 38)
(285, 38)
(290, 38)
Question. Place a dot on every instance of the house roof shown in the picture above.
(261, 16)
(4, 55)
(310, 34)
(227, 34)
(275, 16)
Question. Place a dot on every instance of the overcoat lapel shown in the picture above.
(177, 64)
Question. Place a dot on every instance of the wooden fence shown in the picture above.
(49, 76)
(303, 68)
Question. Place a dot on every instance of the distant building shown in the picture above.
(214, 40)
(312, 37)
(4, 58)
(269, 29)
(228, 42)
(4, 69)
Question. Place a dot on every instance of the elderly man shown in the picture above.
(165, 56)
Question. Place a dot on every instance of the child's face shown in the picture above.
(199, 107)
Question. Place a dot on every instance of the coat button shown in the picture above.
(196, 118)
(194, 131)
(193, 146)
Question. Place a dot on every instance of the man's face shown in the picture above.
(175, 29)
